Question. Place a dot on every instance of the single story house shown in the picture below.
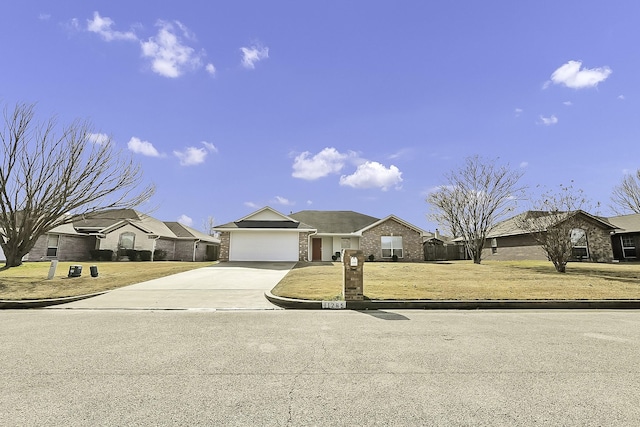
(268, 235)
(626, 238)
(123, 229)
(591, 238)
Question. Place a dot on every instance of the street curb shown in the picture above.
(40, 303)
(300, 304)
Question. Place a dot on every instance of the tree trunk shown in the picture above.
(561, 267)
(13, 259)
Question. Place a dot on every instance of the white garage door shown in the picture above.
(263, 246)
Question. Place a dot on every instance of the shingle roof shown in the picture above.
(626, 223)
(510, 227)
(334, 222)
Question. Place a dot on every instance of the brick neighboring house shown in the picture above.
(507, 241)
(127, 229)
(312, 235)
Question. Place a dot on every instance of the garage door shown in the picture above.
(263, 246)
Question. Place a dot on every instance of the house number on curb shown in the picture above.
(334, 305)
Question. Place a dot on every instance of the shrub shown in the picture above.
(144, 255)
(394, 258)
(371, 257)
(160, 255)
(101, 254)
(133, 255)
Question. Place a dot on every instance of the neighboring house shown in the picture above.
(507, 241)
(123, 229)
(268, 235)
(626, 239)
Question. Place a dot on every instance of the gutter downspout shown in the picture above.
(195, 245)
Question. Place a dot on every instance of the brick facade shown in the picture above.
(225, 241)
(70, 248)
(303, 246)
(370, 242)
(524, 246)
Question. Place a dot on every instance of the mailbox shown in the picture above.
(75, 271)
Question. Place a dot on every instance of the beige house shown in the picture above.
(122, 229)
(268, 235)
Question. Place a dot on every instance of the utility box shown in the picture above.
(94, 270)
(75, 271)
(353, 277)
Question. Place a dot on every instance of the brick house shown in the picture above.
(591, 239)
(123, 229)
(311, 235)
(626, 238)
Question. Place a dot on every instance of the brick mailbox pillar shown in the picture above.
(353, 263)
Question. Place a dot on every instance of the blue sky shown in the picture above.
(335, 105)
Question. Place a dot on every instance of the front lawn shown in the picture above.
(29, 281)
(463, 280)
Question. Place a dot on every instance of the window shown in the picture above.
(345, 243)
(52, 245)
(391, 245)
(579, 242)
(628, 247)
(494, 246)
(127, 240)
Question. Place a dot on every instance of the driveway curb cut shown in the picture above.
(291, 303)
(40, 303)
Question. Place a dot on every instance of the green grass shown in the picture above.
(458, 280)
(29, 281)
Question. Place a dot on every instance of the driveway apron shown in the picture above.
(231, 285)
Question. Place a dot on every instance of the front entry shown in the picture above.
(316, 249)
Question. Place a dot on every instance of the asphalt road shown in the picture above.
(144, 368)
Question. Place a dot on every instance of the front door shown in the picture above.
(316, 249)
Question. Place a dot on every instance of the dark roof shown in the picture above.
(105, 219)
(267, 224)
(335, 222)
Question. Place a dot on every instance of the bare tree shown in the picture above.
(626, 196)
(208, 225)
(474, 199)
(50, 173)
(554, 223)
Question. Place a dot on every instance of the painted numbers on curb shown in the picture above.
(334, 305)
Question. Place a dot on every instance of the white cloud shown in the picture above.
(44, 16)
(548, 121)
(102, 26)
(142, 147)
(170, 57)
(524, 164)
(253, 54)
(326, 162)
(98, 138)
(568, 103)
(209, 146)
(185, 220)
(518, 112)
(621, 97)
(283, 201)
(309, 202)
(211, 69)
(251, 205)
(571, 75)
(373, 175)
(191, 156)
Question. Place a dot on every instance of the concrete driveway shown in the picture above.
(231, 285)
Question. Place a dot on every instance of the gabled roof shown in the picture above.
(510, 226)
(265, 218)
(186, 232)
(398, 220)
(335, 222)
(108, 221)
(626, 223)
